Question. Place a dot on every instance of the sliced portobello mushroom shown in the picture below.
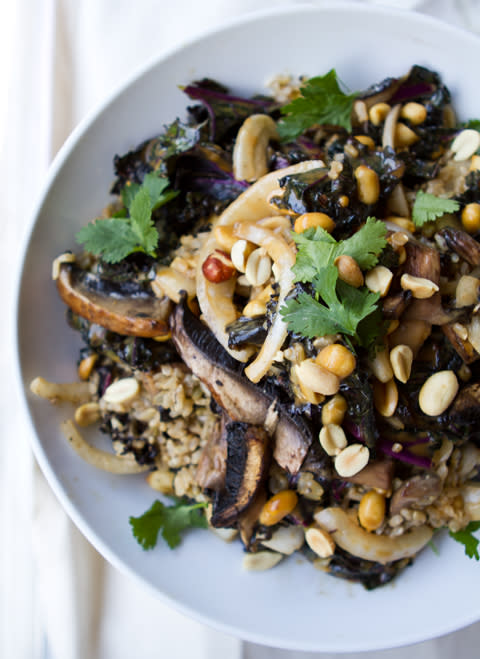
(393, 306)
(130, 309)
(422, 261)
(248, 459)
(378, 474)
(239, 397)
(418, 491)
(249, 517)
(462, 244)
(466, 406)
(212, 465)
(462, 346)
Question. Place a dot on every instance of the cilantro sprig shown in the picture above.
(428, 207)
(322, 101)
(170, 520)
(336, 306)
(132, 230)
(468, 540)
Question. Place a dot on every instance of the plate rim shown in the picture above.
(53, 171)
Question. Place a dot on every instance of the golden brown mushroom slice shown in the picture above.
(129, 310)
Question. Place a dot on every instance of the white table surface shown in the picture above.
(59, 599)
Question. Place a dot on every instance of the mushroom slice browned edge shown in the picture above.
(138, 313)
(419, 491)
(241, 399)
(248, 460)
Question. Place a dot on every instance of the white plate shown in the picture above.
(292, 606)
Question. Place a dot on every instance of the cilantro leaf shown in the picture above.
(170, 520)
(466, 538)
(366, 244)
(317, 248)
(112, 238)
(428, 207)
(115, 238)
(343, 309)
(472, 123)
(306, 316)
(336, 306)
(321, 102)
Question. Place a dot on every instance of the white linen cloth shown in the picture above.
(58, 598)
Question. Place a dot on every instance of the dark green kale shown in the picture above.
(132, 351)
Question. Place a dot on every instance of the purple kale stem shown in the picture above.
(192, 92)
(353, 429)
(200, 93)
(405, 456)
(410, 91)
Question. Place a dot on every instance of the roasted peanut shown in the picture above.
(332, 439)
(378, 113)
(465, 144)
(240, 252)
(334, 410)
(261, 560)
(85, 367)
(366, 140)
(385, 397)
(471, 217)
(337, 359)
(371, 510)
(121, 392)
(475, 163)
(380, 366)
(258, 268)
(87, 414)
(415, 113)
(317, 378)
(308, 487)
(320, 541)
(254, 308)
(401, 359)
(351, 460)
(218, 267)
(467, 291)
(438, 392)
(420, 287)
(368, 185)
(404, 136)
(313, 220)
(278, 507)
(378, 280)
(349, 270)
(402, 222)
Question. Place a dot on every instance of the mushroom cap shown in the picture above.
(131, 314)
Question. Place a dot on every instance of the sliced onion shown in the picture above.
(388, 135)
(371, 547)
(114, 464)
(283, 256)
(253, 204)
(216, 300)
(70, 392)
(216, 303)
(170, 282)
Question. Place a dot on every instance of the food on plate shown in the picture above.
(280, 316)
